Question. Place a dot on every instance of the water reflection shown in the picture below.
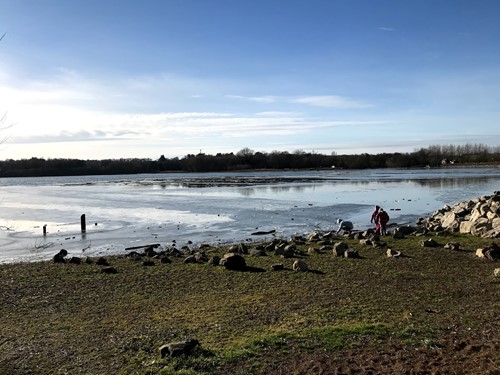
(452, 182)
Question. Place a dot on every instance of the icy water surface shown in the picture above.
(126, 211)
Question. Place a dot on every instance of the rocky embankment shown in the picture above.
(479, 217)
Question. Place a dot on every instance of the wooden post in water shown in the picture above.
(45, 230)
(83, 224)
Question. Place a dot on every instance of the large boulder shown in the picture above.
(339, 248)
(233, 261)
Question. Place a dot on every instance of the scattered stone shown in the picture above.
(288, 252)
(175, 349)
(398, 235)
(366, 242)
(300, 265)
(393, 253)
(165, 260)
(278, 267)
(379, 244)
(314, 250)
(201, 257)
(102, 262)
(428, 243)
(491, 252)
(496, 272)
(110, 270)
(455, 246)
(351, 253)
(241, 248)
(257, 253)
(75, 260)
(339, 248)
(150, 252)
(190, 259)
(148, 263)
(314, 237)
(233, 261)
(214, 261)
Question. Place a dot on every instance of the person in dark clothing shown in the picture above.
(344, 225)
(382, 220)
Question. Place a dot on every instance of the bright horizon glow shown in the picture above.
(126, 79)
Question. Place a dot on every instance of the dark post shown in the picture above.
(45, 230)
(83, 224)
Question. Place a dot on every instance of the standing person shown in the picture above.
(382, 220)
(344, 225)
(373, 219)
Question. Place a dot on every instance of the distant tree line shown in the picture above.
(247, 159)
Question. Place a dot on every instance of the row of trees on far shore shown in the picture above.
(247, 159)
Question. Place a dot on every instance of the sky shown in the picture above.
(93, 79)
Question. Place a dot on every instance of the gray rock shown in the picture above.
(278, 267)
(233, 261)
(175, 349)
(351, 253)
(452, 246)
(393, 253)
(428, 243)
(339, 248)
(214, 261)
(300, 265)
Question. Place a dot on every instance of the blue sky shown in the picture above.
(110, 79)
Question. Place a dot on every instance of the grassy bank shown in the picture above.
(432, 307)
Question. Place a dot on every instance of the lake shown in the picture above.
(215, 208)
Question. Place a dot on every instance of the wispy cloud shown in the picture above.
(331, 101)
(258, 99)
(386, 28)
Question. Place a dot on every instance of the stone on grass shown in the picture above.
(339, 248)
(175, 349)
(351, 253)
(278, 267)
(109, 270)
(452, 246)
(233, 261)
(75, 260)
(300, 265)
(214, 261)
(393, 253)
(102, 262)
(428, 243)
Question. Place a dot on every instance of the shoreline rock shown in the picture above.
(479, 217)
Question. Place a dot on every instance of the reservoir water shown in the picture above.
(190, 209)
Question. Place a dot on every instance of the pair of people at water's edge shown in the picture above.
(381, 218)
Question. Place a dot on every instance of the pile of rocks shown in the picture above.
(479, 217)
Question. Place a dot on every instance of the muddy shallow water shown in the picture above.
(125, 211)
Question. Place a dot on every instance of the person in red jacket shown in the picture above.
(373, 219)
(382, 220)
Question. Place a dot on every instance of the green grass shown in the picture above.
(64, 318)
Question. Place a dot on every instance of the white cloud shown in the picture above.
(331, 101)
(258, 99)
(386, 28)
